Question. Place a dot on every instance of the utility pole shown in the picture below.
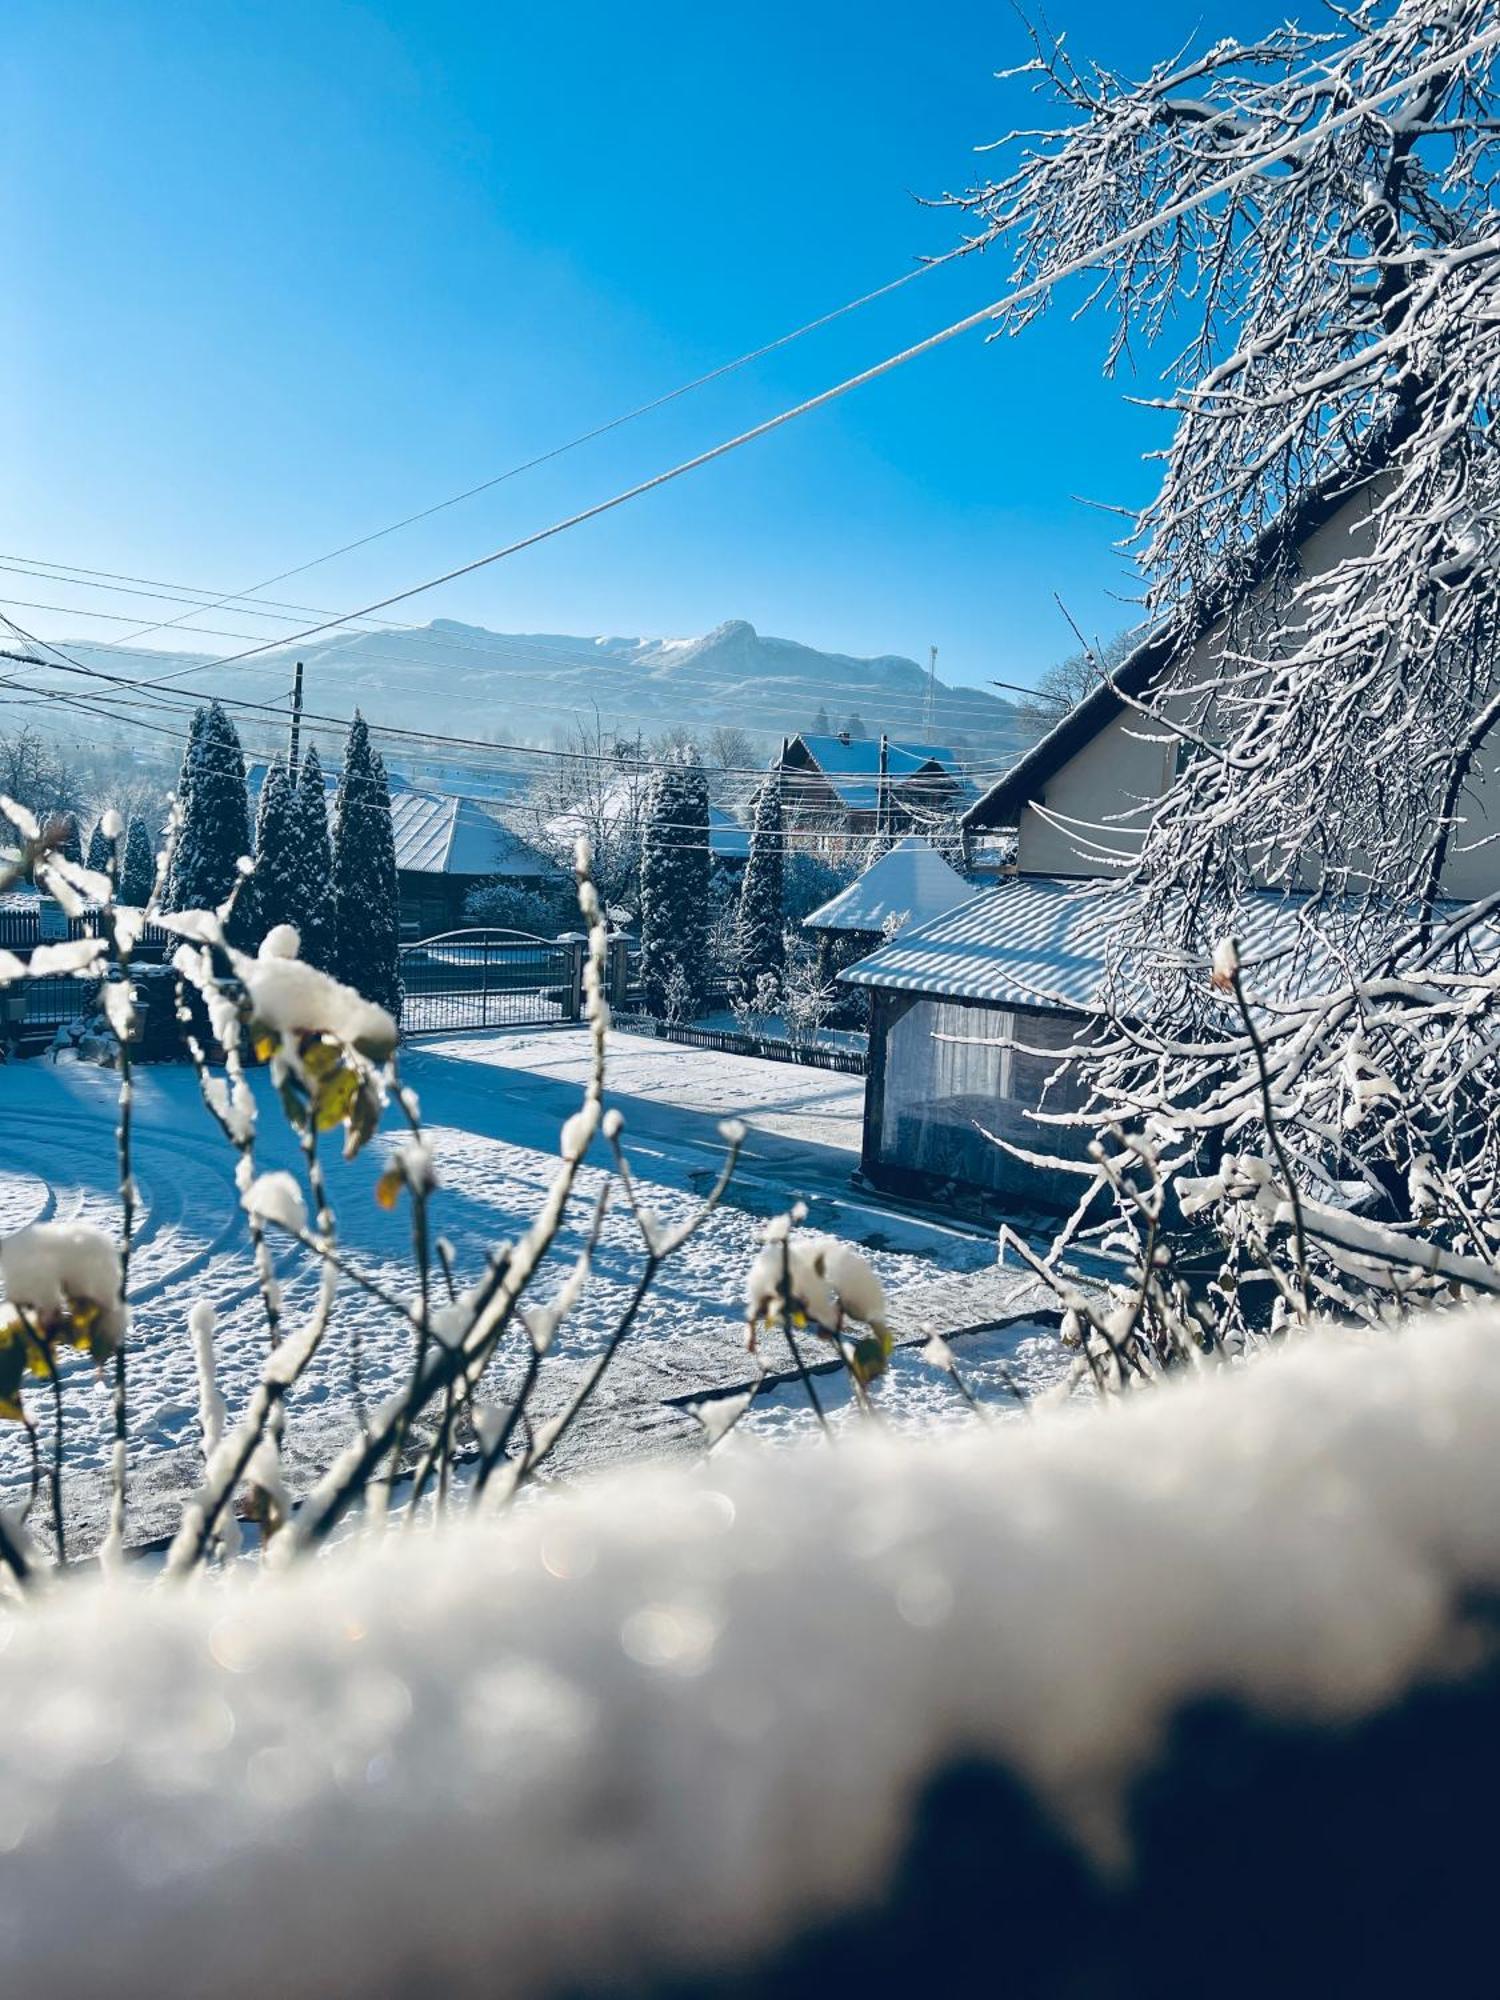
(882, 788)
(931, 690)
(296, 720)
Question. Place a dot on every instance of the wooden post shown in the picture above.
(296, 722)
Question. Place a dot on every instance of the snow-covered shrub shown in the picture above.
(511, 906)
(808, 998)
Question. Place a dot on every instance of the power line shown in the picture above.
(1022, 294)
(601, 430)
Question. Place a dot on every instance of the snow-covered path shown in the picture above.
(493, 1104)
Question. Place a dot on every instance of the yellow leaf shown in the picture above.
(11, 1411)
(320, 1057)
(867, 1358)
(388, 1187)
(334, 1099)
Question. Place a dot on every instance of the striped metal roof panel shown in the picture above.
(1031, 941)
(1042, 941)
(441, 833)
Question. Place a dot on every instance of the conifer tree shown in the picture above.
(214, 832)
(138, 870)
(760, 944)
(274, 893)
(185, 776)
(675, 905)
(315, 920)
(365, 889)
(100, 850)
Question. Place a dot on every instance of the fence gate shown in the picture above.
(489, 979)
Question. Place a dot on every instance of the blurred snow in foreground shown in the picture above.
(659, 1721)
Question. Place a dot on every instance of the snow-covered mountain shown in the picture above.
(531, 687)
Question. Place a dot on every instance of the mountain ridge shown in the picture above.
(537, 686)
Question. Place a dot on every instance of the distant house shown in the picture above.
(972, 1013)
(447, 845)
(839, 788)
(909, 884)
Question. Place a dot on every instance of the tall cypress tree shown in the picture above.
(366, 893)
(760, 943)
(215, 826)
(274, 892)
(675, 887)
(316, 919)
(138, 870)
(99, 852)
(190, 758)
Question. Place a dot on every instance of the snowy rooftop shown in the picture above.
(853, 767)
(438, 834)
(1046, 941)
(442, 833)
(911, 884)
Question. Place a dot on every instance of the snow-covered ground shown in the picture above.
(494, 1104)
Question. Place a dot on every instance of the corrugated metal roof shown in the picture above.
(441, 833)
(1041, 941)
(909, 885)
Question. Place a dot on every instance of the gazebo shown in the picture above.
(909, 884)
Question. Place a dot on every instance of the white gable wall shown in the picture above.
(1091, 816)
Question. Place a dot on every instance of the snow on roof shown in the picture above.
(912, 883)
(439, 834)
(852, 767)
(1045, 941)
(443, 833)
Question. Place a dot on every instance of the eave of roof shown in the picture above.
(1001, 805)
(1048, 942)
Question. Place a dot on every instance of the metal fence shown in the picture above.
(22, 929)
(32, 1006)
(811, 1055)
(489, 979)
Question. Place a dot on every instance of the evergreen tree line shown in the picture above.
(336, 883)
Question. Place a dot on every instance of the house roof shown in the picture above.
(911, 883)
(1001, 805)
(852, 768)
(443, 833)
(1042, 941)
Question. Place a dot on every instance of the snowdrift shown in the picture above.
(1061, 1706)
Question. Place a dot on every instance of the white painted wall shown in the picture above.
(1091, 817)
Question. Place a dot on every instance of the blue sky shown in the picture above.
(280, 273)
